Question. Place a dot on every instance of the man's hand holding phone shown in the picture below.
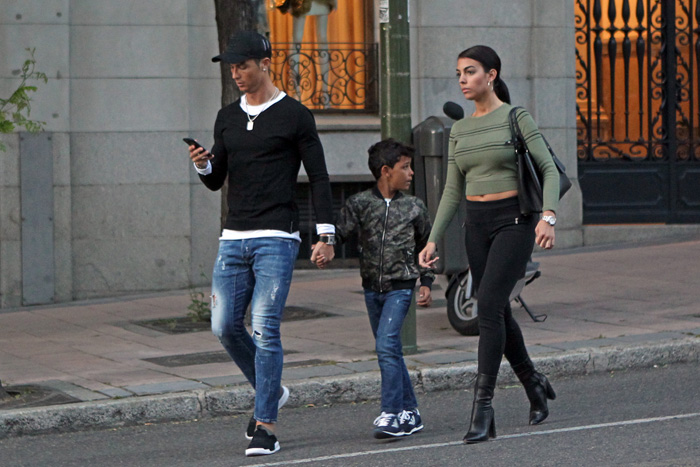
(198, 154)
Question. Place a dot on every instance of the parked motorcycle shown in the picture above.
(462, 304)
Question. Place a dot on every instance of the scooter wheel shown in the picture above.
(462, 310)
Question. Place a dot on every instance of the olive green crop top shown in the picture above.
(481, 155)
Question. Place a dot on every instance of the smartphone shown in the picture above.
(192, 142)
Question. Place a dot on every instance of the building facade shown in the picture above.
(105, 203)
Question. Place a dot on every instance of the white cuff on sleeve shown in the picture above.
(325, 229)
(205, 171)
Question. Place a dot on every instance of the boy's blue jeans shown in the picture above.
(258, 272)
(387, 312)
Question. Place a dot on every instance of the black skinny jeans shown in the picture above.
(499, 243)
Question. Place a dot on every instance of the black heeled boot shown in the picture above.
(537, 388)
(482, 425)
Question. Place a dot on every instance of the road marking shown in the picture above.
(638, 421)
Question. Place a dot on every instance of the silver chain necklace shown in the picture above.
(251, 121)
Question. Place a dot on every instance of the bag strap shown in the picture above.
(518, 139)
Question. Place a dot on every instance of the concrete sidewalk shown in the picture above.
(609, 309)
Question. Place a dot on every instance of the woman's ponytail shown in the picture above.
(501, 90)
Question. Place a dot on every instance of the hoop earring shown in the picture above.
(489, 84)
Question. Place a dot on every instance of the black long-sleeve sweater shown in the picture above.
(262, 166)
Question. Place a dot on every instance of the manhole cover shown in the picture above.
(30, 395)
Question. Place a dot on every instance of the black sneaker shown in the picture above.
(387, 426)
(250, 431)
(284, 397)
(263, 443)
(410, 421)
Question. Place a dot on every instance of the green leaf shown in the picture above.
(35, 126)
(15, 110)
(18, 118)
(6, 126)
(18, 97)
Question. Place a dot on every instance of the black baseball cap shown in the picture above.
(244, 45)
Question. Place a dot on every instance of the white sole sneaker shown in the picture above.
(283, 398)
(264, 443)
(250, 452)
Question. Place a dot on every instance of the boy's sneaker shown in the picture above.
(284, 397)
(263, 443)
(387, 426)
(410, 421)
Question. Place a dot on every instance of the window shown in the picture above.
(324, 54)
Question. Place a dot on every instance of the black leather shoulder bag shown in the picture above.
(529, 176)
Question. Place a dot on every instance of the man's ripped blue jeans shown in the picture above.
(255, 272)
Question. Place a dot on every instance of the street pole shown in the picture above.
(395, 105)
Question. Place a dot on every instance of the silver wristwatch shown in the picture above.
(327, 239)
(551, 220)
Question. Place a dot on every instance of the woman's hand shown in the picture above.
(425, 257)
(544, 233)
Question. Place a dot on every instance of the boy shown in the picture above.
(393, 227)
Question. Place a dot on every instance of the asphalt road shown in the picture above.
(645, 417)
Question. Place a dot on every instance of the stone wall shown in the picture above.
(535, 40)
(129, 79)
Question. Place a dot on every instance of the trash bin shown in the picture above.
(430, 140)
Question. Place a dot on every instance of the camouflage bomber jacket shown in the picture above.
(391, 236)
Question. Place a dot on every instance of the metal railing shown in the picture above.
(328, 77)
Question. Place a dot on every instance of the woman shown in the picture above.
(499, 239)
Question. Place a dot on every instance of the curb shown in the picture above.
(187, 406)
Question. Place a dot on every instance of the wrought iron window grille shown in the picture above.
(334, 77)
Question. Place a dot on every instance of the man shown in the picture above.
(260, 141)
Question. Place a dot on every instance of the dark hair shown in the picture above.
(386, 152)
(490, 61)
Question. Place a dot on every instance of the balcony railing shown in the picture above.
(330, 77)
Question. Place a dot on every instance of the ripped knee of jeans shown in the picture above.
(263, 337)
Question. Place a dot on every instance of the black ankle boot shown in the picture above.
(537, 388)
(482, 425)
